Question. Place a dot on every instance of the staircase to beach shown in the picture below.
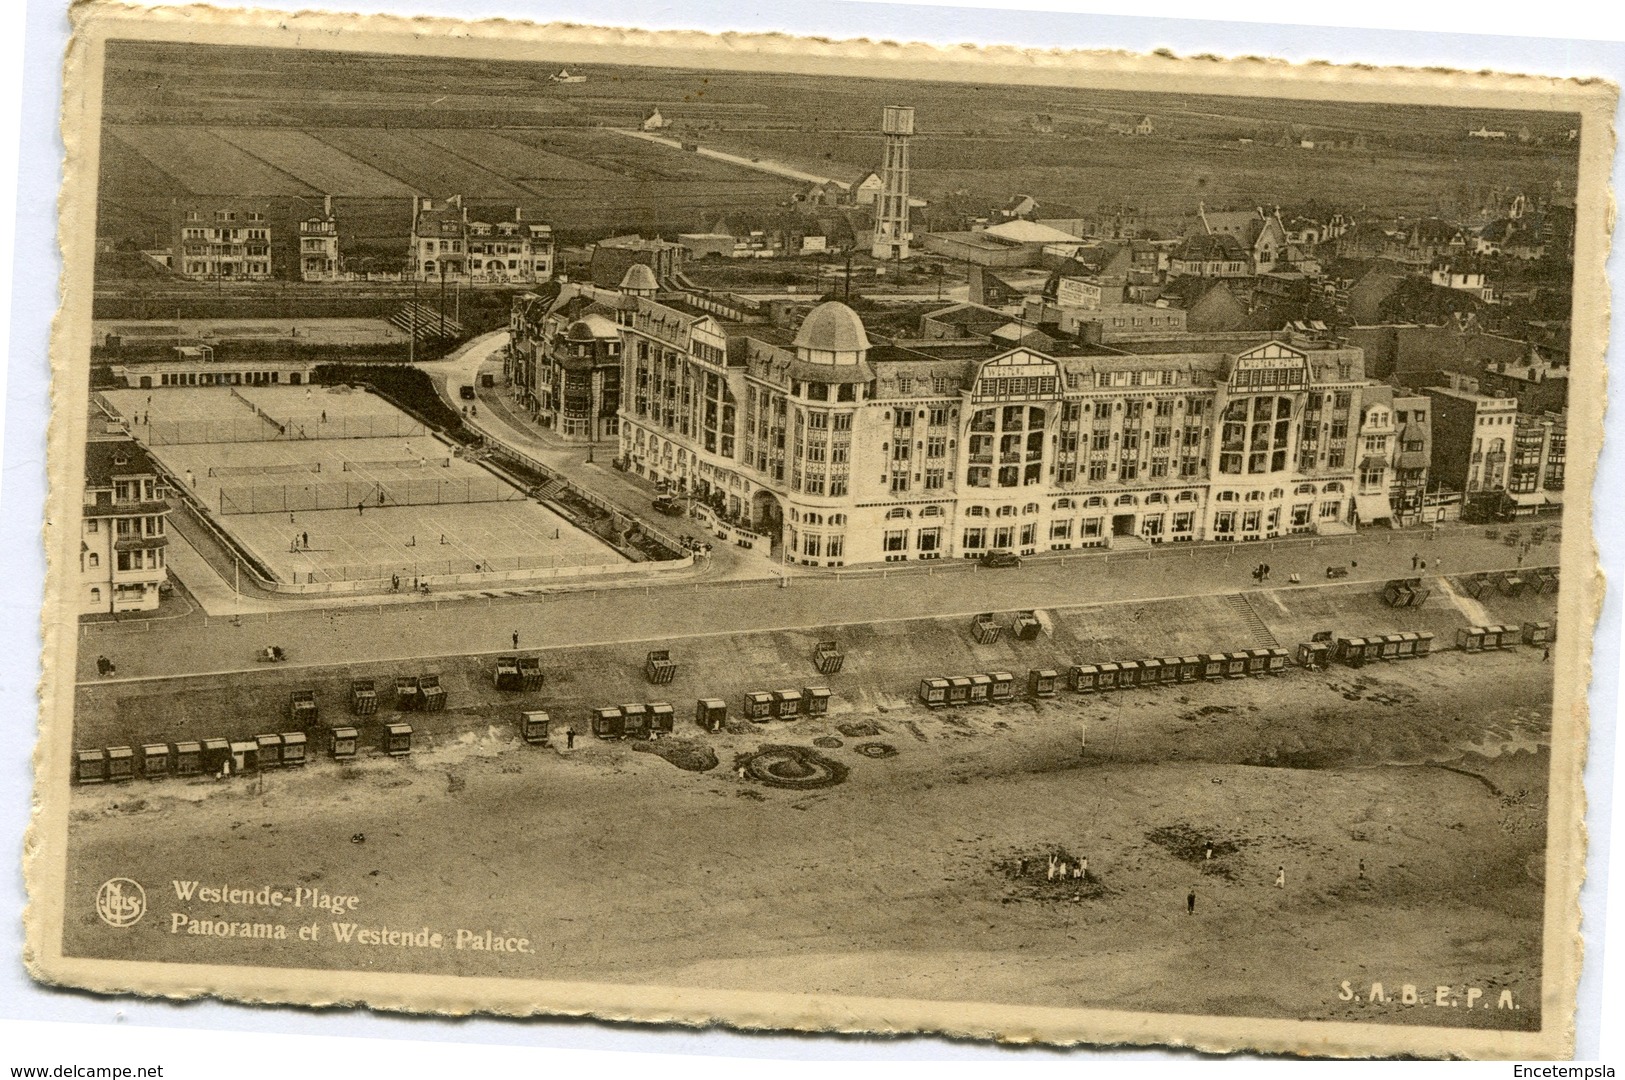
(1255, 625)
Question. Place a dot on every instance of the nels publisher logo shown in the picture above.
(121, 902)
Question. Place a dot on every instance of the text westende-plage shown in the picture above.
(305, 898)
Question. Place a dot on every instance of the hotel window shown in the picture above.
(975, 538)
(935, 479)
(1061, 530)
(1004, 536)
(1329, 509)
(1089, 527)
(1184, 521)
(1029, 534)
(895, 540)
(1224, 521)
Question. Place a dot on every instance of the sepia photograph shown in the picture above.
(822, 536)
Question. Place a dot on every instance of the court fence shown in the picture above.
(361, 495)
(264, 470)
(395, 463)
(262, 428)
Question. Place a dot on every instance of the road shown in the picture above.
(759, 164)
(437, 626)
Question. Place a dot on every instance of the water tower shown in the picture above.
(891, 205)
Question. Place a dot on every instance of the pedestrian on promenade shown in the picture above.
(304, 540)
(394, 583)
(1424, 566)
(324, 416)
(1546, 654)
(516, 639)
(361, 508)
(1266, 571)
(1190, 903)
(570, 738)
(1280, 877)
(1414, 560)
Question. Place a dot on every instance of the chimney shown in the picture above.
(327, 206)
(978, 288)
(519, 213)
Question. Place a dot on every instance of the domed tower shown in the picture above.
(832, 334)
(639, 280)
(827, 380)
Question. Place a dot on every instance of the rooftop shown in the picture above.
(108, 458)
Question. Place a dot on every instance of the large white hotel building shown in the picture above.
(848, 449)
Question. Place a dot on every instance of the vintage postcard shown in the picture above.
(1042, 547)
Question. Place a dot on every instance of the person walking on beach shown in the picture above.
(570, 738)
(1280, 877)
(1546, 654)
(1415, 559)
(516, 639)
(1190, 903)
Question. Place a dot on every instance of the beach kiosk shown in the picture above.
(363, 697)
(607, 722)
(530, 673)
(786, 704)
(1213, 665)
(1003, 689)
(658, 667)
(397, 739)
(120, 764)
(154, 761)
(1041, 682)
(343, 743)
(90, 766)
(934, 692)
(1470, 639)
(188, 760)
(1083, 678)
(828, 657)
(958, 690)
(758, 706)
(534, 725)
(506, 676)
(635, 720)
(662, 718)
(294, 745)
(431, 695)
(981, 690)
(815, 700)
(1314, 655)
(711, 713)
(216, 752)
(302, 709)
(270, 751)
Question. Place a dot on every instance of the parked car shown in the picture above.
(999, 559)
(466, 393)
(669, 506)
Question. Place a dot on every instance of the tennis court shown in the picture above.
(294, 480)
